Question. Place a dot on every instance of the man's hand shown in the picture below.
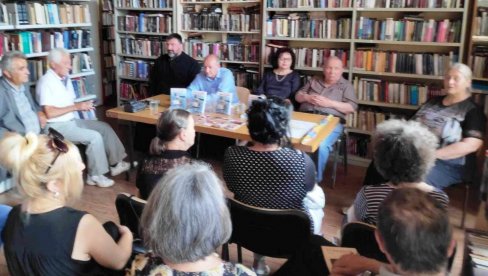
(42, 119)
(321, 101)
(84, 106)
(352, 264)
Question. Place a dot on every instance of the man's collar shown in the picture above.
(19, 88)
(216, 77)
(51, 71)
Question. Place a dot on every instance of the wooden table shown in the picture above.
(240, 133)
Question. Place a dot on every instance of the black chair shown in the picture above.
(340, 147)
(268, 232)
(129, 208)
(360, 235)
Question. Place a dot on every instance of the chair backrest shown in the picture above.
(268, 232)
(243, 94)
(129, 208)
(361, 236)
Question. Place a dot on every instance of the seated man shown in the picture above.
(18, 111)
(413, 232)
(214, 79)
(331, 94)
(55, 94)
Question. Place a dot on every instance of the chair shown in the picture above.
(360, 235)
(243, 94)
(129, 208)
(340, 146)
(268, 232)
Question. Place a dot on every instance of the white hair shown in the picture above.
(56, 54)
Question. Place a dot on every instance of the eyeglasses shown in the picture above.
(56, 143)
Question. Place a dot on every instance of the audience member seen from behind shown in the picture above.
(42, 235)
(458, 122)
(175, 135)
(404, 152)
(268, 173)
(184, 222)
(282, 81)
(329, 94)
(413, 232)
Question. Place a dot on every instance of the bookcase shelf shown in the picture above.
(360, 131)
(7, 27)
(137, 56)
(52, 26)
(408, 43)
(398, 75)
(220, 32)
(400, 106)
(44, 54)
(308, 9)
(219, 2)
(145, 9)
(82, 74)
(143, 33)
(336, 40)
(132, 79)
(436, 10)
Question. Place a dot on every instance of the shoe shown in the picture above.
(121, 167)
(262, 271)
(100, 180)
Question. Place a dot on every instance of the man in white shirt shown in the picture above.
(55, 93)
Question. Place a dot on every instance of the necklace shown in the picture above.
(280, 78)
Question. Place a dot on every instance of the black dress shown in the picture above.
(42, 244)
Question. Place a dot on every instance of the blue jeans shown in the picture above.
(325, 148)
(444, 174)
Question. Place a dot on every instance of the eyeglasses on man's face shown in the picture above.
(56, 142)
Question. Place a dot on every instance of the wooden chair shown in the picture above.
(243, 94)
(268, 232)
(129, 208)
(360, 235)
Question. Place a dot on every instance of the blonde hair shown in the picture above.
(28, 158)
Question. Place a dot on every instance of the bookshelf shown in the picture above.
(35, 27)
(108, 54)
(228, 29)
(370, 36)
(141, 28)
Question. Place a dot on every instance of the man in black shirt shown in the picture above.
(175, 69)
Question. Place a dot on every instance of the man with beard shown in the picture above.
(175, 69)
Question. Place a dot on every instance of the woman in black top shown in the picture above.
(42, 235)
(175, 135)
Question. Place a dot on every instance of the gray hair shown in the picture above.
(463, 69)
(7, 59)
(56, 54)
(404, 151)
(186, 217)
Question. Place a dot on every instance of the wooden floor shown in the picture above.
(100, 203)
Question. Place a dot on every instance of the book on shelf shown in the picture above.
(367, 119)
(358, 144)
(158, 4)
(4, 16)
(37, 68)
(146, 22)
(369, 4)
(147, 47)
(30, 42)
(309, 3)
(306, 25)
(223, 103)
(199, 49)
(82, 95)
(133, 90)
(49, 13)
(81, 62)
(134, 68)
(178, 98)
(198, 102)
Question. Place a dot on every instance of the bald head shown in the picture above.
(333, 70)
(211, 66)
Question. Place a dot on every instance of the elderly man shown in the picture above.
(55, 94)
(331, 94)
(18, 111)
(413, 232)
(175, 69)
(214, 79)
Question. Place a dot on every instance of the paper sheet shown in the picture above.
(299, 128)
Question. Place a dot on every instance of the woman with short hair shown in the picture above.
(169, 149)
(42, 235)
(404, 152)
(185, 220)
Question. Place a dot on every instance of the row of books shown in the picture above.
(81, 62)
(478, 61)
(133, 90)
(108, 32)
(156, 4)
(398, 62)
(225, 51)
(37, 13)
(368, 118)
(476, 253)
(109, 61)
(110, 74)
(359, 145)
(408, 3)
(142, 46)
(134, 68)
(108, 46)
(480, 24)
(44, 41)
(146, 22)
(37, 68)
(82, 94)
(107, 19)
(308, 3)
(221, 22)
(376, 90)
(409, 29)
(107, 6)
(299, 25)
(246, 77)
(309, 57)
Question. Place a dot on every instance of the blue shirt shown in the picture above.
(29, 118)
(223, 82)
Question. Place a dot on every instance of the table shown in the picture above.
(240, 133)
